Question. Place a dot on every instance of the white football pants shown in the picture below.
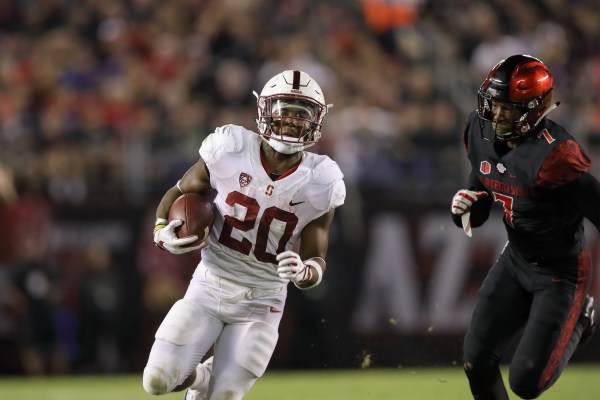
(241, 322)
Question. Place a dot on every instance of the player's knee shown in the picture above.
(524, 379)
(468, 367)
(526, 391)
(162, 371)
(477, 372)
(482, 378)
(156, 381)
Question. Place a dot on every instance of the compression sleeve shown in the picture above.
(584, 194)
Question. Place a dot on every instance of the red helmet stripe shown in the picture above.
(296, 83)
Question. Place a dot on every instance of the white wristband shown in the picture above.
(318, 269)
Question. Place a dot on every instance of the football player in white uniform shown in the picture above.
(270, 194)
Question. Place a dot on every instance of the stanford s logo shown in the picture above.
(245, 179)
(269, 190)
(485, 167)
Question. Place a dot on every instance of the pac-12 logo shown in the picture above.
(245, 179)
(485, 167)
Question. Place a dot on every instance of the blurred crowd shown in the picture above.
(104, 104)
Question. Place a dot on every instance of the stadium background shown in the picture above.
(103, 105)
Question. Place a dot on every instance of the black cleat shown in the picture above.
(587, 313)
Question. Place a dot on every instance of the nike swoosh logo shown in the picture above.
(274, 310)
(295, 204)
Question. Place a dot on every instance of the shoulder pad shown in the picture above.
(563, 164)
(225, 139)
(326, 189)
(325, 170)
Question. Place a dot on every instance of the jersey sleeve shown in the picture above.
(327, 189)
(584, 193)
(565, 163)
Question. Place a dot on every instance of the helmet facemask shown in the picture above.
(512, 119)
(290, 123)
(291, 108)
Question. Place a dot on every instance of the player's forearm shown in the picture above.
(162, 211)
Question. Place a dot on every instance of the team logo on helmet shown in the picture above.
(486, 105)
(245, 179)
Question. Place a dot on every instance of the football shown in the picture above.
(196, 212)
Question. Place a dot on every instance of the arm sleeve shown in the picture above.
(480, 211)
(584, 194)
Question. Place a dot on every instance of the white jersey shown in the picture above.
(257, 218)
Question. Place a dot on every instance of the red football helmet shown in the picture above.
(515, 97)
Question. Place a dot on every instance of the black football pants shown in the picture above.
(542, 301)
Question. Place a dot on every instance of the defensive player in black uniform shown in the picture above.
(539, 285)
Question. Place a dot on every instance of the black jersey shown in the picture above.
(541, 222)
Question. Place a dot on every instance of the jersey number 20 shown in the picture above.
(244, 245)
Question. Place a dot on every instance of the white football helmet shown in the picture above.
(291, 108)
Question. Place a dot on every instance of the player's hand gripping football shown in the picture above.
(166, 239)
(462, 202)
(464, 199)
(291, 267)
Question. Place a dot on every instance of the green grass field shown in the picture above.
(579, 382)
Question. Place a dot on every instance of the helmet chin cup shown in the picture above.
(284, 147)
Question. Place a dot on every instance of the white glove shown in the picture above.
(464, 199)
(166, 239)
(291, 267)
(462, 202)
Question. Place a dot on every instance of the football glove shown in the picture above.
(292, 267)
(462, 202)
(166, 239)
(464, 199)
